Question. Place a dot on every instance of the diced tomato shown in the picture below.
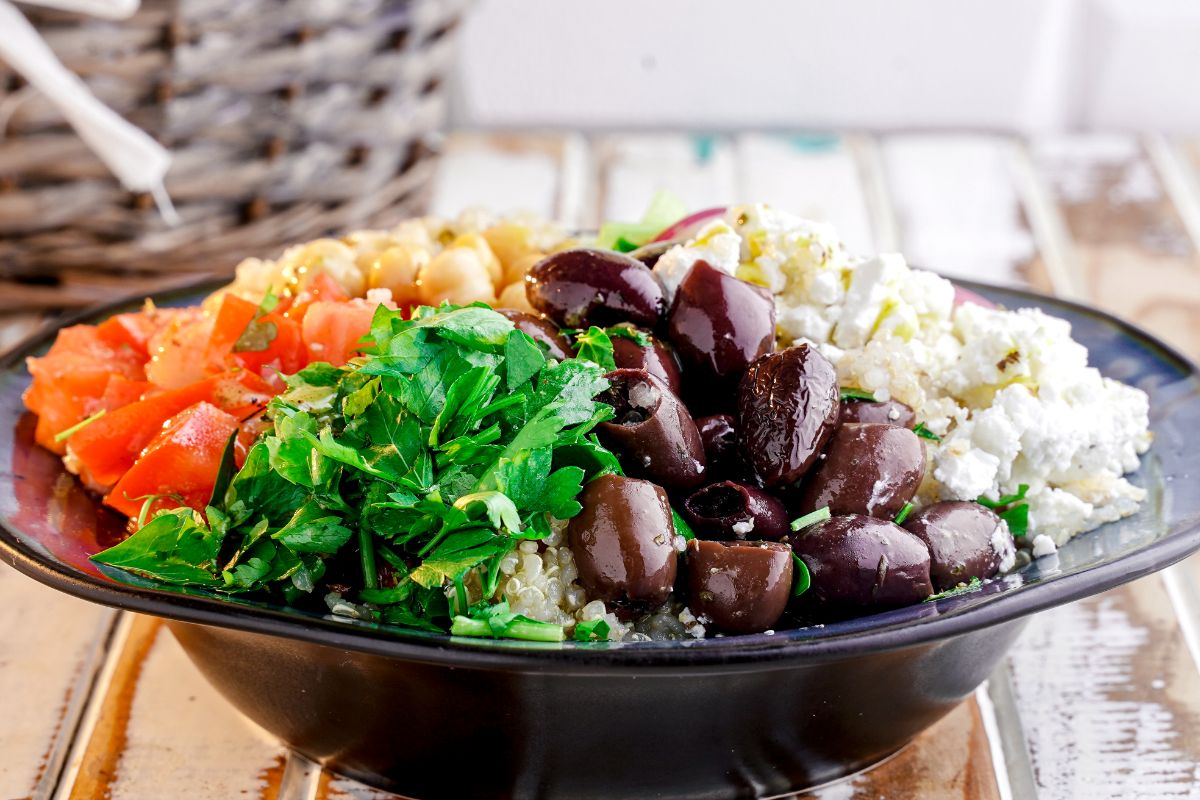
(178, 349)
(333, 331)
(251, 429)
(232, 318)
(107, 448)
(284, 353)
(321, 288)
(134, 329)
(73, 373)
(182, 460)
(120, 391)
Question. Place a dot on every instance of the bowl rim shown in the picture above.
(736, 653)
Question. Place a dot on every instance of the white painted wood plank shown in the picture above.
(185, 740)
(956, 206)
(698, 168)
(815, 176)
(50, 645)
(497, 173)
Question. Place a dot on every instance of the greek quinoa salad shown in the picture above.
(683, 427)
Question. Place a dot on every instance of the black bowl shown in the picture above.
(431, 716)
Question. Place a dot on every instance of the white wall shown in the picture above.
(1009, 64)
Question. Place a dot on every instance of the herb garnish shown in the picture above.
(592, 631)
(259, 334)
(856, 394)
(74, 429)
(820, 515)
(1012, 508)
(632, 334)
(961, 588)
(925, 433)
(803, 577)
(595, 346)
(427, 460)
(903, 515)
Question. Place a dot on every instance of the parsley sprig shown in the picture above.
(1012, 508)
(412, 471)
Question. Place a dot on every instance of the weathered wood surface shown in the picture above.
(1105, 694)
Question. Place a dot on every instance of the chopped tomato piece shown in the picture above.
(134, 329)
(120, 391)
(283, 349)
(70, 376)
(321, 287)
(232, 318)
(178, 350)
(251, 429)
(183, 460)
(105, 449)
(333, 332)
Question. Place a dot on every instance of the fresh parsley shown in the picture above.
(961, 588)
(1012, 508)
(925, 433)
(803, 579)
(820, 515)
(259, 333)
(595, 630)
(63, 435)
(415, 470)
(903, 515)
(856, 394)
(632, 334)
(595, 345)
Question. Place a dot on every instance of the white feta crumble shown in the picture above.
(743, 526)
(716, 243)
(1043, 545)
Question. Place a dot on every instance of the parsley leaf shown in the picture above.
(961, 588)
(925, 433)
(595, 346)
(856, 394)
(632, 334)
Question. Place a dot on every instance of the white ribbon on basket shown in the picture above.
(138, 162)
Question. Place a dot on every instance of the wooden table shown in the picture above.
(1099, 699)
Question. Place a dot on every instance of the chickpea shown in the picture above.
(509, 241)
(298, 265)
(513, 296)
(456, 275)
(515, 273)
(397, 268)
(487, 258)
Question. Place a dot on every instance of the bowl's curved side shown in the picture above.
(427, 731)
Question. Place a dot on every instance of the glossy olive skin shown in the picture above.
(657, 358)
(582, 287)
(718, 434)
(857, 561)
(720, 324)
(889, 412)
(787, 409)
(623, 541)
(959, 535)
(540, 330)
(652, 434)
(867, 468)
(730, 510)
(739, 587)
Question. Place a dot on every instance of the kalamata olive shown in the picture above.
(719, 324)
(582, 287)
(788, 408)
(867, 468)
(740, 587)
(649, 254)
(965, 541)
(623, 541)
(863, 562)
(652, 434)
(718, 434)
(889, 412)
(729, 510)
(541, 330)
(657, 358)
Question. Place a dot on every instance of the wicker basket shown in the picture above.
(287, 119)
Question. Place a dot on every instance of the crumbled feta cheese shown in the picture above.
(1043, 545)
(1003, 546)
(716, 243)
(743, 526)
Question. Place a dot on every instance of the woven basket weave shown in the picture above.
(287, 119)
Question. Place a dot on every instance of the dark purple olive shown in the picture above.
(649, 254)
(657, 358)
(889, 412)
(867, 468)
(729, 510)
(719, 324)
(788, 408)
(623, 541)
(718, 434)
(739, 587)
(863, 562)
(540, 330)
(965, 541)
(652, 433)
(582, 287)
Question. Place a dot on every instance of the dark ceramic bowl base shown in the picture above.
(428, 731)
